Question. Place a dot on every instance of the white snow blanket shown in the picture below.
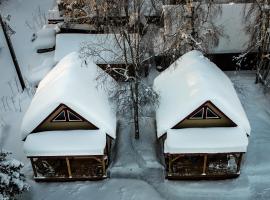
(206, 140)
(187, 84)
(74, 85)
(65, 143)
(38, 73)
(104, 48)
(45, 39)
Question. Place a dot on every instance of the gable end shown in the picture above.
(207, 115)
(64, 118)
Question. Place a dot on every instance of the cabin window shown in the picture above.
(198, 115)
(210, 114)
(61, 117)
(205, 113)
(73, 117)
(67, 116)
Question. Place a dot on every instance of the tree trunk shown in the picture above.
(136, 111)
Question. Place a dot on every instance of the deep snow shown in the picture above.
(135, 173)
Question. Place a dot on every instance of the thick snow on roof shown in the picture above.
(187, 84)
(74, 85)
(206, 140)
(104, 47)
(45, 38)
(65, 143)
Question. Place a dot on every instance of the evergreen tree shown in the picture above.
(12, 181)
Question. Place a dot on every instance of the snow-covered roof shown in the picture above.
(105, 48)
(187, 84)
(206, 140)
(45, 38)
(65, 143)
(74, 85)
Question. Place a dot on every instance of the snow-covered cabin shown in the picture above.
(230, 19)
(201, 123)
(69, 127)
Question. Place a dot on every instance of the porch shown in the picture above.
(203, 166)
(69, 168)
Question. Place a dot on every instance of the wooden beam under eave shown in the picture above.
(68, 167)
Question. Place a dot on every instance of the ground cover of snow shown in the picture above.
(135, 172)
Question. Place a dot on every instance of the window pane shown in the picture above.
(85, 168)
(210, 114)
(198, 115)
(51, 167)
(60, 117)
(222, 164)
(73, 117)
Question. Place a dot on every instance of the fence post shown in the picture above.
(12, 53)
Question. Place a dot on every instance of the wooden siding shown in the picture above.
(48, 125)
(223, 121)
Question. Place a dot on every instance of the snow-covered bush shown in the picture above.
(12, 181)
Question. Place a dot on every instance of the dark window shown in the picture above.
(60, 117)
(198, 114)
(210, 114)
(73, 117)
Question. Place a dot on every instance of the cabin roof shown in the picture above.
(65, 143)
(188, 83)
(105, 48)
(74, 85)
(206, 140)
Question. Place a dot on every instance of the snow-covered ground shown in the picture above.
(137, 174)
(135, 171)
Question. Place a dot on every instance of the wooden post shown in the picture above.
(239, 162)
(103, 166)
(68, 167)
(33, 167)
(12, 53)
(204, 164)
(169, 164)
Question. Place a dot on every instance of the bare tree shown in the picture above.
(132, 94)
(257, 18)
(189, 25)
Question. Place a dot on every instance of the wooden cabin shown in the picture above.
(201, 124)
(69, 127)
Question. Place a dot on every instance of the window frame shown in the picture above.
(66, 112)
(209, 109)
(198, 118)
(55, 120)
(70, 120)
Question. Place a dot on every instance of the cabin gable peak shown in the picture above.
(206, 115)
(64, 118)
